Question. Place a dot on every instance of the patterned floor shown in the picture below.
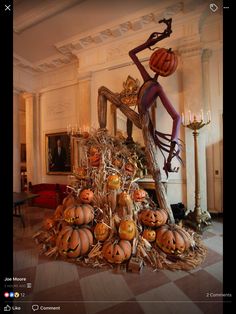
(88, 291)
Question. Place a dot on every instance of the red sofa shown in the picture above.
(50, 195)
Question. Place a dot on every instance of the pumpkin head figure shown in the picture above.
(79, 214)
(86, 196)
(163, 61)
(173, 239)
(153, 218)
(113, 182)
(127, 229)
(93, 150)
(101, 231)
(139, 195)
(149, 235)
(73, 242)
(116, 252)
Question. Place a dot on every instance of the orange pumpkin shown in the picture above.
(79, 214)
(94, 160)
(153, 218)
(173, 239)
(127, 229)
(139, 195)
(116, 252)
(163, 61)
(73, 242)
(113, 182)
(149, 235)
(93, 150)
(86, 196)
(129, 169)
(101, 231)
(48, 223)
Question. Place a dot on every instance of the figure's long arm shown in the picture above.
(152, 40)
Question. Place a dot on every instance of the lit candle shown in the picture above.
(190, 116)
(202, 116)
(182, 118)
(209, 115)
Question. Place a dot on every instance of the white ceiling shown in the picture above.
(39, 25)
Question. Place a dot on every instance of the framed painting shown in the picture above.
(58, 154)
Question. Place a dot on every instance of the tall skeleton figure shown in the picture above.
(148, 93)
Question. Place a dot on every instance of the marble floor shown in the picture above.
(75, 289)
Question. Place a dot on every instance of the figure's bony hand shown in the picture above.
(168, 167)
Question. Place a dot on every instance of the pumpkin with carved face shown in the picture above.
(113, 182)
(129, 169)
(94, 160)
(115, 252)
(153, 218)
(74, 242)
(139, 195)
(86, 196)
(101, 231)
(127, 229)
(93, 150)
(79, 214)
(149, 235)
(173, 239)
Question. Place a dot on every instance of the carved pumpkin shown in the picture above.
(73, 242)
(153, 218)
(127, 229)
(94, 160)
(93, 150)
(116, 252)
(59, 212)
(48, 223)
(101, 231)
(68, 201)
(149, 235)
(172, 239)
(79, 214)
(86, 196)
(81, 172)
(129, 169)
(139, 195)
(163, 61)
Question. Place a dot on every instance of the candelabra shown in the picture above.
(198, 218)
(76, 132)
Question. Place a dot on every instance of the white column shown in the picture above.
(31, 164)
(83, 107)
(191, 56)
(16, 143)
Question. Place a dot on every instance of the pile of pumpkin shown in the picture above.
(77, 231)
